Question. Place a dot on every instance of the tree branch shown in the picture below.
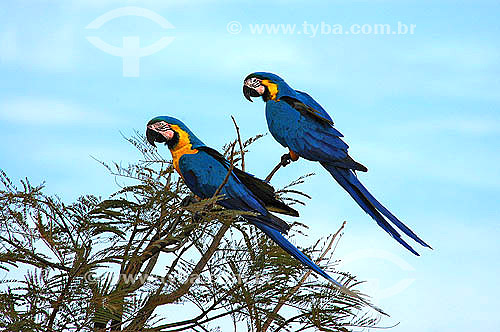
(37, 258)
(285, 298)
(154, 302)
(241, 145)
(285, 160)
(275, 169)
(229, 172)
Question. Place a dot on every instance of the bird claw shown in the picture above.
(197, 217)
(188, 200)
(286, 159)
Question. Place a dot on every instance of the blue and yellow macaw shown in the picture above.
(300, 124)
(204, 170)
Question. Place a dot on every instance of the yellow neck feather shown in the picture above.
(273, 88)
(183, 147)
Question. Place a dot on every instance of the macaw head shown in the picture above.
(171, 131)
(269, 86)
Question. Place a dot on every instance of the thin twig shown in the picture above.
(39, 259)
(156, 301)
(148, 308)
(241, 145)
(57, 304)
(287, 296)
(229, 172)
(275, 169)
(204, 312)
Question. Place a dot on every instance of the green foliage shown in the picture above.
(113, 264)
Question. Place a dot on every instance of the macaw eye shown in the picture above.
(253, 83)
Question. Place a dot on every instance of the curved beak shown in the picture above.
(153, 136)
(150, 136)
(249, 92)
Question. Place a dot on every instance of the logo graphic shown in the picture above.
(130, 51)
(375, 288)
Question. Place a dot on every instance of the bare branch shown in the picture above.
(158, 300)
(285, 297)
(275, 169)
(242, 150)
(229, 172)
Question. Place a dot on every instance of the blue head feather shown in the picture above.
(195, 141)
(283, 88)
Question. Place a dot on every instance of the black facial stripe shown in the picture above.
(173, 142)
(266, 96)
(153, 136)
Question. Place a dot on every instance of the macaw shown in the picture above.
(300, 124)
(204, 170)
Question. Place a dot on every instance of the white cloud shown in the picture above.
(440, 162)
(52, 50)
(463, 125)
(375, 69)
(226, 54)
(39, 111)
(456, 55)
(78, 4)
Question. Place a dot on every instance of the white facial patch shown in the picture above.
(253, 83)
(159, 126)
(260, 89)
(162, 128)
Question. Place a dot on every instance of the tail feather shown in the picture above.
(405, 229)
(277, 237)
(286, 245)
(371, 206)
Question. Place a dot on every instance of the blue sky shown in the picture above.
(421, 111)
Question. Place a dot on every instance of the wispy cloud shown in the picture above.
(471, 125)
(41, 111)
(52, 50)
(8, 45)
(443, 163)
(122, 3)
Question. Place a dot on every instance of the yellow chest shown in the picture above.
(183, 147)
(272, 87)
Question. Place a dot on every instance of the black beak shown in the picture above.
(152, 137)
(249, 92)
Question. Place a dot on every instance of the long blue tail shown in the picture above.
(348, 180)
(277, 237)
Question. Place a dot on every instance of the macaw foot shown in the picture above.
(188, 200)
(286, 159)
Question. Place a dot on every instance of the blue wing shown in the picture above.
(315, 139)
(304, 134)
(309, 101)
(203, 175)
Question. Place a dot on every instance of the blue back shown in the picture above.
(203, 175)
(310, 138)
